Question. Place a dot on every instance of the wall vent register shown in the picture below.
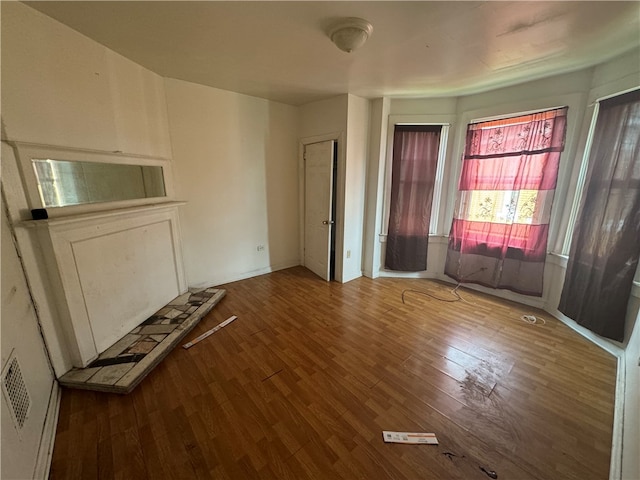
(15, 392)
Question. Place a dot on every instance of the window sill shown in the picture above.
(558, 259)
(561, 260)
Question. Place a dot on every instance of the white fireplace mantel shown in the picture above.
(110, 270)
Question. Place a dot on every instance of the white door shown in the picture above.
(318, 193)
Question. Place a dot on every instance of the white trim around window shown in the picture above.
(582, 177)
(446, 122)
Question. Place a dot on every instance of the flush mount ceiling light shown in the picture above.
(350, 33)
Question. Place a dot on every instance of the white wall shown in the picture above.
(24, 448)
(60, 88)
(319, 121)
(324, 117)
(423, 106)
(345, 119)
(374, 192)
(354, 186)
(235, 163)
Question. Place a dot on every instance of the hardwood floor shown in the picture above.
(303, 383)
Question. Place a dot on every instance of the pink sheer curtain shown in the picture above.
(606, 239)
(501, 222)
(415, 157)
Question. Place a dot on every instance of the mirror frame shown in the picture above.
(26, 152)
(65, 183)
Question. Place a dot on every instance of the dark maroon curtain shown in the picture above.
(606, 238)
(499, 232)
(415, 157)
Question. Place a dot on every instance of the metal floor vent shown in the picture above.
(16, 393)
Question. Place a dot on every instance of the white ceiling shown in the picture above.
(280, 50)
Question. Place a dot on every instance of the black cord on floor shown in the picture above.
(455, 293)
(452, 300)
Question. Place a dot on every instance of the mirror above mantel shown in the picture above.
(70, 181)
(62, 183)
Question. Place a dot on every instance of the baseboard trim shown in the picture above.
(351, 276)
(47, 439)
(609, 346)
(615, 467)
(243, 276)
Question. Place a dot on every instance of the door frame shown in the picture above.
(338, 137)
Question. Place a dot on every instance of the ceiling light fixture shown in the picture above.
(350, 33)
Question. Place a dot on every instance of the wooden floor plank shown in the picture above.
(303, 383)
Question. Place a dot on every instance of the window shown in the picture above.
(501, 222)
(605, 246)
(415, 160)
(504, 206)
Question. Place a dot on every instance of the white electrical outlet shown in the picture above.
(348, 253)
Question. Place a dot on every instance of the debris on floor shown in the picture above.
(209, 332)
(490, 473)
(410, 437)
(450, 455)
